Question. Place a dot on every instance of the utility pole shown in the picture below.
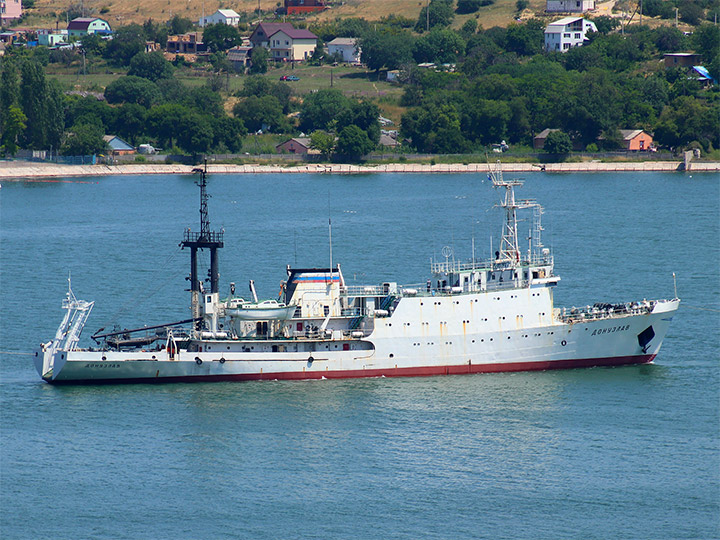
(427, 16)
(676, 17)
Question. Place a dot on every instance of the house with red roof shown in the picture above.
(284, 41)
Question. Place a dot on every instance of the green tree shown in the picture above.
(386, 50)
(126, 43)
(352, 27)
(93, 44)
(525, 39)
(194, 133)
(259, 60)
(204, 100)
(221, 37)
(228, 132)
(155, 31)
(257, 85)
(130, 122)
(321, 108)
(471, 6)
(151, 66)
(439, 45)
(13, 127)
(558, 142)
(468, 28)
(172, 90)
(363, 115)
(668, 38)
(84, 140)
(54, 115)
(687, 119)
(691, 12)
(179, 25)
(485, 121)
(706, 40)
(164, 121)
(88, 110)
(434, 128)
(605, 24)
(440, 14)
(353, 143)
(131, 89)
(9, 89)
(33, 97)
(322, 141)
(261, 113)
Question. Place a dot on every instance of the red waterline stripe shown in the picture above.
(424, 371)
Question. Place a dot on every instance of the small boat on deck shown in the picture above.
(267, 310)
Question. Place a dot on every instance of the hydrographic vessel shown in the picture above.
(469, 317)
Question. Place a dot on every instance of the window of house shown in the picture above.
(577, 36)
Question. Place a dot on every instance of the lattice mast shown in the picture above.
(204, 239)
(510, 243)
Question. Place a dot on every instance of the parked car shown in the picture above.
(289, 78)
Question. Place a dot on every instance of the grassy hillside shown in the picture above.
(119, 12)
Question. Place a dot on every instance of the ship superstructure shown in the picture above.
(469, 317)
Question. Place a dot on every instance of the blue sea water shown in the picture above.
(629, 452)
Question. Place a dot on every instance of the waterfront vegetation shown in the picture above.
(485, 85)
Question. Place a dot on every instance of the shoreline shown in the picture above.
(51, 170)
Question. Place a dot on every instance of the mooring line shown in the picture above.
(702, 308)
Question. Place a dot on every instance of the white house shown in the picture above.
(566, 33)
(224, 16)
(569, 6)
(347, 47)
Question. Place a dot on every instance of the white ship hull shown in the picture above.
(605, 342)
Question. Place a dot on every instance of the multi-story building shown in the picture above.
(284, 41)
(10, 10)
(566, 33)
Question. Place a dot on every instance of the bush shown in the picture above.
(558, 142)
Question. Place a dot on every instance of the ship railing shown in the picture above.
(209, 236)
(448, 267)
(421, 289)
(605, 311)
(312, 334)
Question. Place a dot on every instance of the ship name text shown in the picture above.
(610, 330)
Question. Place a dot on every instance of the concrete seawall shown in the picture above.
(15, 170)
